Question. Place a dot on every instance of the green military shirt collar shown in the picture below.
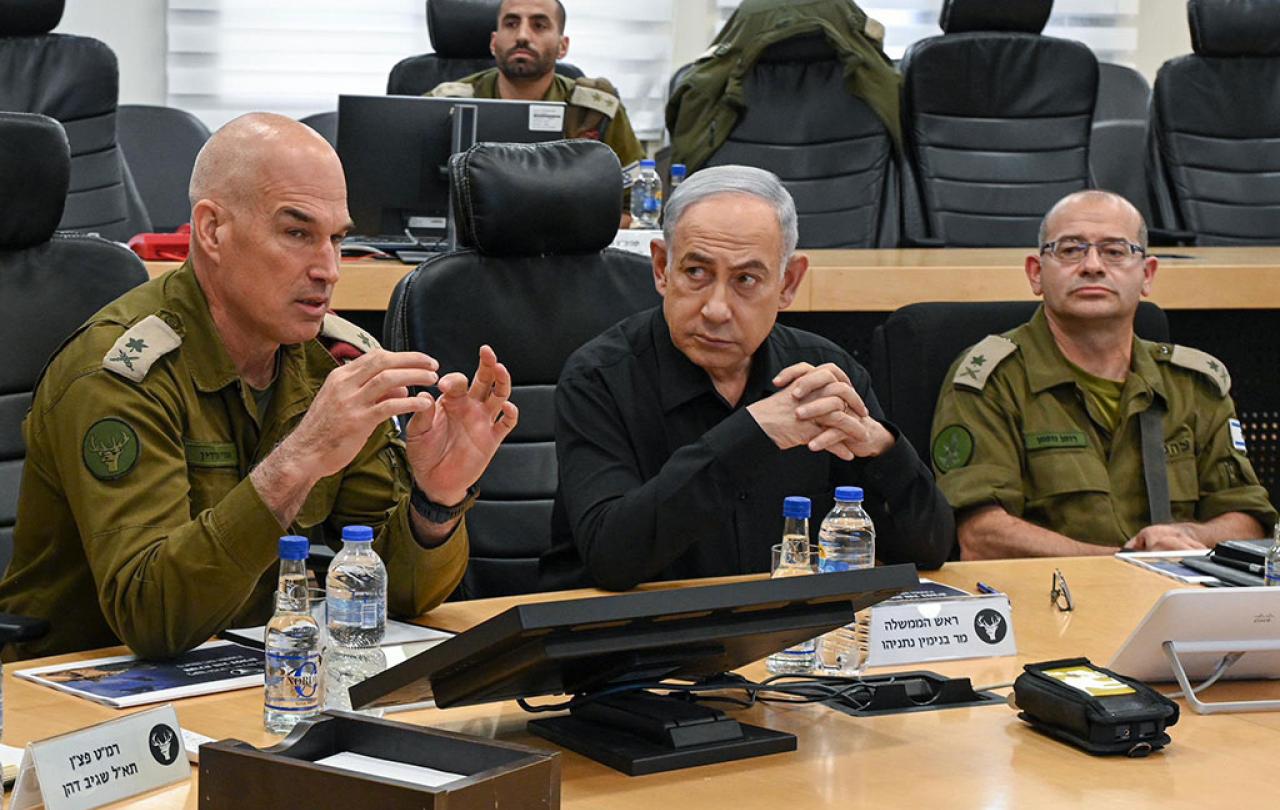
(1048, 367)
(211, 366)
(486, 85)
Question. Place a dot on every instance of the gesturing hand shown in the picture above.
(450, 443)
(354, 400)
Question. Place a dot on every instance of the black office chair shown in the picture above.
(49, 284)
(828, 147)
(74, 80)
(1215, 121)
(160, 145)
(537, 281)
(325, 123)
(996, 118)
(459, 31)
(912, 350)
(1118, 137)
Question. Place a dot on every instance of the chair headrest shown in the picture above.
(35, 170)
(516, 199)
(1029, 16)
(1234, 27)
(28, 18)
(460, 29)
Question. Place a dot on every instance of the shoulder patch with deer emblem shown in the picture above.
(110, 448)
(136, 351)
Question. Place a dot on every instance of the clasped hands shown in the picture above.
(818, 407)
(450, 438)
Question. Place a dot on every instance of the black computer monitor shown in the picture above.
(604, 644)
(395, 152)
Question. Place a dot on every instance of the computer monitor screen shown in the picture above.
(395, 152)
(582, 645)
(1216, 615)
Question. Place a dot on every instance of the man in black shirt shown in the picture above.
(680, 430)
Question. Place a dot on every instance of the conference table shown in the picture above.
(980, 757)
(883, 280)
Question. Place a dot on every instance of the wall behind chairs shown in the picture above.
(135, 30)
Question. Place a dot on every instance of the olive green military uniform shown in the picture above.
(1012, 428)
(593, 107)
(137, 520)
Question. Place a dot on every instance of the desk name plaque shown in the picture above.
(103, 763)
(940, 630)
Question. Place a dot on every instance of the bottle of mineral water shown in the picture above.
(846, 542)
(793, 561)
(1271, 566)
(356, 602)
(646, 197)
(356, 592)
(293, 678)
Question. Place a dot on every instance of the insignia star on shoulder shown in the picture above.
(977, 360)
(137, 350)
(136, 344)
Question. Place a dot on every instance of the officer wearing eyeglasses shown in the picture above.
(1038, 435)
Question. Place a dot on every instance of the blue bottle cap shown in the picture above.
(293, 547)
(679, 170)
(847, 494)
(648, 163)
(359, 534)
(795, 506)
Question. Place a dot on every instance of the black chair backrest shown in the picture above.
(74, 80)
(1118, 138)
(459, 31)
(1215, 119)
(325, 123)
(996, 120)
(160, 145)
(828, 147)
(49, 284)
(912, 350)
(536, 282)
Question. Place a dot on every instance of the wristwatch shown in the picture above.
(433, 512)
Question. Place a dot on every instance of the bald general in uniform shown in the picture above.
(1037, 440)
(198, 417)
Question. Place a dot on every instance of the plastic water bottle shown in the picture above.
(1271, 566)
(356, 592)
(646, 197)
(293, 675)
(356, 603)
(794, 561)
(678, 173)
(846, 542)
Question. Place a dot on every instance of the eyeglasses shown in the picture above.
(1059, 593)
(1115, 252)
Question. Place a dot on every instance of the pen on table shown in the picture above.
(985, 588)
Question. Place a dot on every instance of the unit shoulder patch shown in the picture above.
(452, 90)
(981, 360)
(1203, 362)
(142, 344)
(953, 448)
(110, 448)
(335, 328)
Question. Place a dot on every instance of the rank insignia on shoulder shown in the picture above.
(1237, 435)
(452, 90)
(1203, 362)
(981, 360)
(142, 344)
(110, 448)
(343, 331)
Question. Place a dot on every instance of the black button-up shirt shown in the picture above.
(660, 478)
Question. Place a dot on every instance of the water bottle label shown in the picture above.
(1272, 576)
(652, 204)
(826, 565)
(366, 614)
(294, 677)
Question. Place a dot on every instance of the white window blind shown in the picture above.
(228, 57)
(1109, 27)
